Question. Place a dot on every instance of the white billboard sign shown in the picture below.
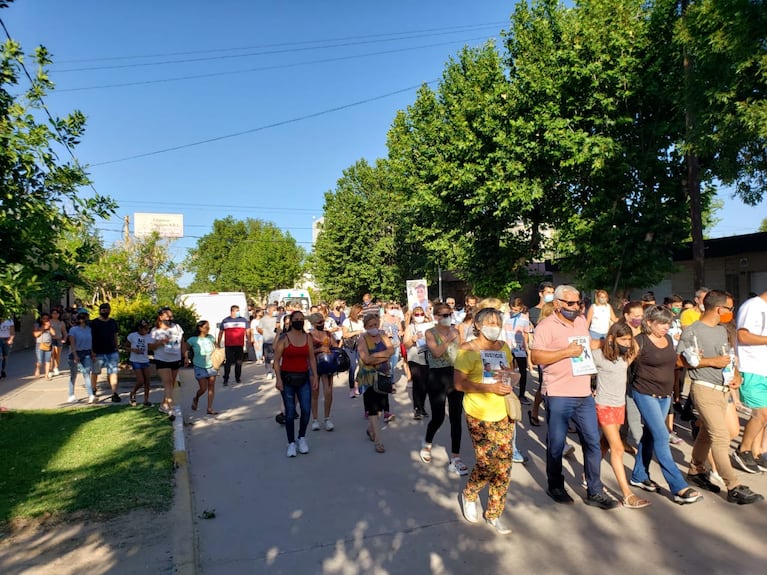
(167, 225)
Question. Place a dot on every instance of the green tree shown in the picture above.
(357, 250)
(143, 267)
(723, 98)
(251, 256)
(41, 200)
(763, 225)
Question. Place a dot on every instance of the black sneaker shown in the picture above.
(116, 398)
(703, 480)
(559, 495)
(226, 383)
(647, 485)
(601, 500)
(238, 381)
(744, 460)
(3, 374)
(742, 495)
(761, 462)
(417, 414)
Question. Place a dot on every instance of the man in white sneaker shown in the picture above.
(752, 360)
(705, 350)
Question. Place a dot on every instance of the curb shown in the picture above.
(184, 538)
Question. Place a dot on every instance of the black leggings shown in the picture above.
(439, 382)
(419, 374)
(522, 366)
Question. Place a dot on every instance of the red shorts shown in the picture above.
(609, 415)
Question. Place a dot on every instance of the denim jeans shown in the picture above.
(655, 439)
(304, 396)
(84, 366)
(582, 410)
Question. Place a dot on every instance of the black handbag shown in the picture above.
(384, 384)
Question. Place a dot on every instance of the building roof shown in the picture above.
(723, 247)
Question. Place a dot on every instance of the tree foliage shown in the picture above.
(141, 268)
(359, 249)
(41, 202)
(251, 256)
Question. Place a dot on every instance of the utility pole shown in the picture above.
(126, 230)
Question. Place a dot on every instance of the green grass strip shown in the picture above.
(102, 461)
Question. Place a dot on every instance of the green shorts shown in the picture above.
(753, 390)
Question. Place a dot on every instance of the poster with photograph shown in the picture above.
(492, 361)
(417, 295)
(584, 363)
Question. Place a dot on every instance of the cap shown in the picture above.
(83, 310)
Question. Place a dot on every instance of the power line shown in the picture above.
(39, 98)
(264, 68)
(263, 52)
(208, 206)
(261, 128)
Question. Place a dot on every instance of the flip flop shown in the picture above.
(380, 448)
(370, 435)
(195, 401)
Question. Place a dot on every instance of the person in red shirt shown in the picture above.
(234, 329)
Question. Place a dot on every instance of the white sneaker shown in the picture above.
(315, 425)
(303, 445)
(72, 399)
(470, 511)
(91, 399)
(329, 425)
(498, 524)
(55, 371)
(291, 449)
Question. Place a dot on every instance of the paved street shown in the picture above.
(343, 509)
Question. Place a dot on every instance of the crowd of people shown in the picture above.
(614, 379)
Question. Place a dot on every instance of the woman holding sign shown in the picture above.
(483, 374)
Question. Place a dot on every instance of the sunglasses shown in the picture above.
(418, 315)
(445, 315)
(570, 303)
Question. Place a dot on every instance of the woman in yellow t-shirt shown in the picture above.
(481, 366)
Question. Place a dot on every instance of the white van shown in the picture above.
(214, 306)
(286, 297)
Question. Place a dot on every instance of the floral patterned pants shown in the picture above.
(492, 452)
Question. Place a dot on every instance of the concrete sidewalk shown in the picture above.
(343, 509)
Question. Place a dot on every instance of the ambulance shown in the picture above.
(214, 306)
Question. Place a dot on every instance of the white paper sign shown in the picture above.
(584, 363)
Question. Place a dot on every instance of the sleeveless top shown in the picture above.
(447, 359)
(294, 358)
(600, 320)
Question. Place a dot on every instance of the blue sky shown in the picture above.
(264, 63)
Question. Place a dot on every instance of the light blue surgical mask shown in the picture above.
(548, 298)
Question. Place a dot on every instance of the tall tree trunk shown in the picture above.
(693, 171)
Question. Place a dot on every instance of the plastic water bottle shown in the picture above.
(728, 372)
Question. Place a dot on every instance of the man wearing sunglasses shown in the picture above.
(568, 396)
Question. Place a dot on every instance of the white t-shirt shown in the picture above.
(171, 350)
(5, 328)
(600, 319)
(141, 342)
(752, 316)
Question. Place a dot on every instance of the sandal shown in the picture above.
(212, 412)
(634, 502)
(371, 437)
(687, 495)
(425, 454)
(458, 466)
(534, 421)
(195, 401)
(132, 399)
(380, 448)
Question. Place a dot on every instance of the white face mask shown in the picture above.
(445, 321)
(548, 298)
(491, 332)
(418, 318)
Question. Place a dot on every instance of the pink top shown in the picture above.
(552, 334)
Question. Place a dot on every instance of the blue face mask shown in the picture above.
(548, 298)
(570, 314)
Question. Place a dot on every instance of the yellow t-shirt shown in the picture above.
(689, 316)
(479, 367)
